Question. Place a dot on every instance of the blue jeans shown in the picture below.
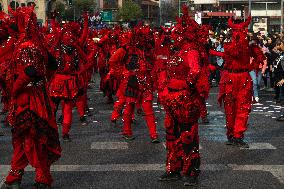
(256, 79)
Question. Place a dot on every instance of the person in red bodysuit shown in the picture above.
(236, 83)
(68, 82)
(31, 114)
(181, 100)
(135, 86)
(116, 66)
(8, 37)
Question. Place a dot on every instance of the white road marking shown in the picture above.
(260, 146)
(275, 170)
(205, 125)
(109, 146)
(2, 182)
(105, 111)
(214, 113)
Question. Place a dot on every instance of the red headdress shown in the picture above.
(186, 27)
(26, 20)
(70, 32)
(126, 38)
(240, 26)
(4, 25)
(239, 30)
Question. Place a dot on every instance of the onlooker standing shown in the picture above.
(278, 72)
(258, 62)
(281, 84)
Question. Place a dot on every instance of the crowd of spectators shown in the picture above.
(268, 76)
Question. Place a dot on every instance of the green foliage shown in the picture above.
(85, 5)
(60, 7)
(69, 14)
(130, 11)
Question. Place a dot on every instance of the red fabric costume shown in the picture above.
(68, 83)
(181, 99)
(136, 85)
(7, 46)
(236, 84)
(34, 130)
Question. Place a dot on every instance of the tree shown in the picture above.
(130, 11)
(60, 7)
(85, 5)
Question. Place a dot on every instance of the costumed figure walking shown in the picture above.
(235, 88)
(31, 115)
(182, 101)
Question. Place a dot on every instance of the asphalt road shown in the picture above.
(98, 158)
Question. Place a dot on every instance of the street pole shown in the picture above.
(249, 7)
(160, 6)
(281, 26)
(74, 13)
(178, 8)
(249, 13)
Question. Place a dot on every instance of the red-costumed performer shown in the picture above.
(67, 85)
(182, 101)
(34, 131)
(203, 79)
(163, 46)
(8, 37)
(235, 89)
(116, 67)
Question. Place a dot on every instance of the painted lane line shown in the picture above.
(109, 146)
(2, 182)
(275, 170)
(260, 146)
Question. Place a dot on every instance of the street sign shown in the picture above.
(107, 16)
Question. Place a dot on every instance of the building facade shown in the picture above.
(40, 6)
(150, 8)
(266, 13)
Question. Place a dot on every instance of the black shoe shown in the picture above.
(189, 181)
(66, 138)
(281, 118)
(205, 120)
(113, 123)
(15, 185)
(155, 140)
(239, 142)
(41, 186)
(110, 100)
(230, 141)
(170, 177)
(83, 121)
(128, 137)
